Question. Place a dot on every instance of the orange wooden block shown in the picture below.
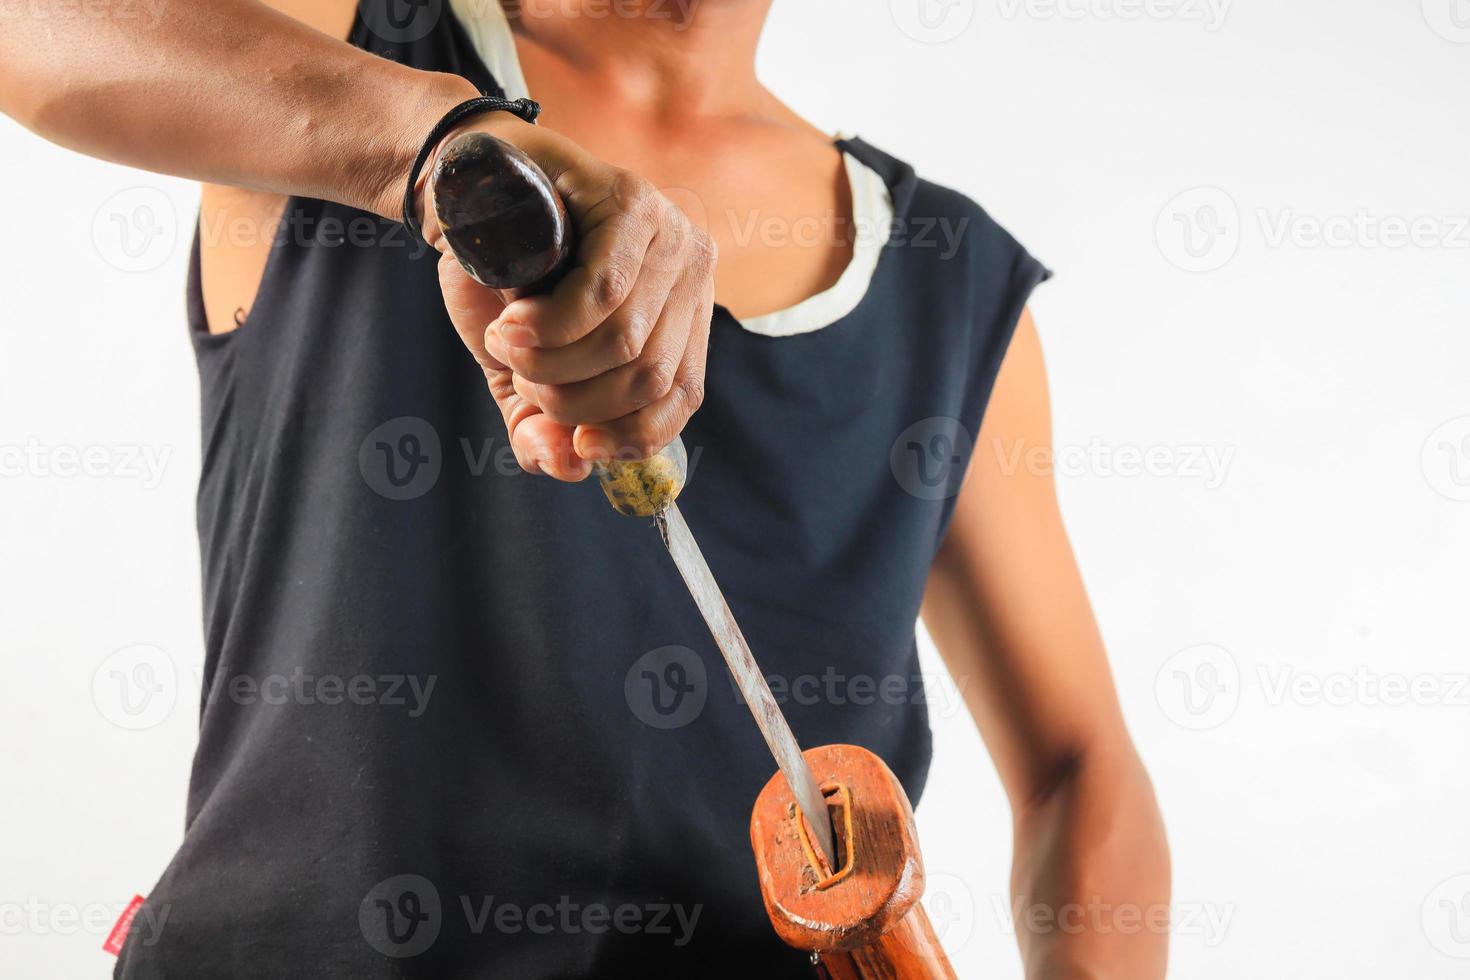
(862, 919)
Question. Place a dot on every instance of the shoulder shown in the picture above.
(947, 232)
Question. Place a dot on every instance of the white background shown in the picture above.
(1264, 612)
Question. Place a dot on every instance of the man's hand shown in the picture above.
(611, 361)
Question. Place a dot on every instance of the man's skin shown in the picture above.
(259, 105)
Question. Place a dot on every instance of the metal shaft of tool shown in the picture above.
(752, 683)
(509, 229)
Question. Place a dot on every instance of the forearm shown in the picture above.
(226, 91)
(1091, 878)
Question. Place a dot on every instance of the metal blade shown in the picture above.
(752, 683)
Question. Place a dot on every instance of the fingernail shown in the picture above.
(517, 334)
(494, 346)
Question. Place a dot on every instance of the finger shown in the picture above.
(637, 383)
(541, 446)
(619, 340)
(546, 447)
(609, 261)
(643, 433)
(651, 376)
(470, 306)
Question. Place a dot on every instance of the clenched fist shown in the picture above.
(609, 363)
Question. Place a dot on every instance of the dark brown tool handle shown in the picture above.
(509, 229)
(862, 919)
(503, 219)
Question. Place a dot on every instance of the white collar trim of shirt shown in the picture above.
(872, 206)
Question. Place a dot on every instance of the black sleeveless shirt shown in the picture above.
(462, 722)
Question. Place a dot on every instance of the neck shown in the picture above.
(664, 57)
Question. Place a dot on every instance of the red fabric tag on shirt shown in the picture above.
(119, 933)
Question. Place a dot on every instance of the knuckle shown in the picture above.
(611, 284)
(633, 194)
(529, 364)
(555, 403)
(647, 438)
(638, 322)
(691, 394)
(632, 333)
(626, 345)
(653, 378)
(703, 252)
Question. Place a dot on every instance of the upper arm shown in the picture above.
(1005, 602)
(231, 269)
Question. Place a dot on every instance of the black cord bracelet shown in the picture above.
(527, 109)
